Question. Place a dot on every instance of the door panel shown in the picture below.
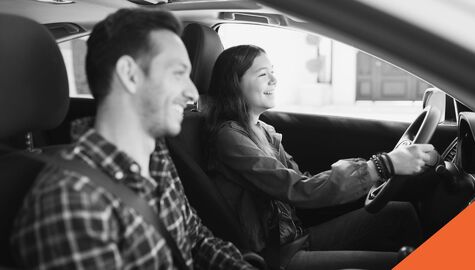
(317, 141)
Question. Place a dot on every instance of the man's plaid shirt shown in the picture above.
(67, 222)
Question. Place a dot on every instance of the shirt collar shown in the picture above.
(275, 137)
(105, 155)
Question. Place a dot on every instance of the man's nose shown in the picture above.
(191, 92)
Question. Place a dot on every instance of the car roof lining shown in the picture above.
(50, 13)
(88, 12)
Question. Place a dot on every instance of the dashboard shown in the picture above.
(454, 177)
(459, 157)
(465, 156)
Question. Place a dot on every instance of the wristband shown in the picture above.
(390, 164)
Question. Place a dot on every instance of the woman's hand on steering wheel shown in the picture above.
(410, 159)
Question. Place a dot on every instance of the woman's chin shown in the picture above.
(270, 106)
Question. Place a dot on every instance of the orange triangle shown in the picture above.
(452, 247)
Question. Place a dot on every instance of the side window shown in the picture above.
(74, 55)
(317, 75)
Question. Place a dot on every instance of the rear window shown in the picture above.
(74, 55)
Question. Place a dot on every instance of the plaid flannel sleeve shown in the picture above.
(61, 228)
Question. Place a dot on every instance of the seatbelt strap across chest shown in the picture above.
(128, 197)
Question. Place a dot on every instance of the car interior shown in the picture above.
(37, 112)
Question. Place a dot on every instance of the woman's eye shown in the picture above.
(262, 74)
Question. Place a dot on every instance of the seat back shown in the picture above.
(18, 170)
(204, 46)
(187, 151)
(33, 97)
(33, 81)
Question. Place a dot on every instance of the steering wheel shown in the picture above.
(420, 131)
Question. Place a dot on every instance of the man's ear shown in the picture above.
(128, 71)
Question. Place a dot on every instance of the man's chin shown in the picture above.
(173, 130)
(170, 131)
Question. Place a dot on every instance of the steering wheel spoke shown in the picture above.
(376, 189)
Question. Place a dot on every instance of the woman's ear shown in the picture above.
(128, 71)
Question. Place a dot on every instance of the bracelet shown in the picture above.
(384, 165)
(389, 163)
(386, 172)
(379, 167)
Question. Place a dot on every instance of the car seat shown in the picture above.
(204, 46)
(33, 97)
(187, 149)
(33, 80)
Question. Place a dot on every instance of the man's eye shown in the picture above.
(262, 74)
(179, 73)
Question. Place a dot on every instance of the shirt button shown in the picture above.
(134, 168)
(119, 175)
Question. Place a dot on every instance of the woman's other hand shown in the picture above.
(411, 159)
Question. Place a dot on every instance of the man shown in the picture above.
(138, 71)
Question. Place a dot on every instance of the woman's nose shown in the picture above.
(273, 79)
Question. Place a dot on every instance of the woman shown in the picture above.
(263, 184)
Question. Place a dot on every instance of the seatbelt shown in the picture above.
(128, 197)
(272, 254)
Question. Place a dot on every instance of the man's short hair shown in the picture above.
(125, 32)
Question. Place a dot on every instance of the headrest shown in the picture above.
(204, 46)
(34, 91)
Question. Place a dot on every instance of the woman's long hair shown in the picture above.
(226, 100)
